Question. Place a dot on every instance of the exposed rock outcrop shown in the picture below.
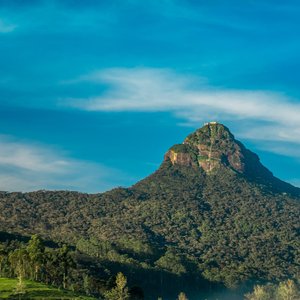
(213, 146)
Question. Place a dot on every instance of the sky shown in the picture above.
(93, 93)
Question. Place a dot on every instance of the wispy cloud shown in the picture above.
(6, 27)
(285, 149)
(273, 116)
(27, 167)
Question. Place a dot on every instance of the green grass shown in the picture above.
(35, 290)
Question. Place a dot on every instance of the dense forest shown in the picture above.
(58, 266)
(210, 218)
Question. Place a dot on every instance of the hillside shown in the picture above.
(211, 213)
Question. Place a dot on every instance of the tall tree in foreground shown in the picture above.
(182, 296)
(261, 292)
(120, 291)
(19, 262)
(35, 251)
(288, 290)
(66, 262)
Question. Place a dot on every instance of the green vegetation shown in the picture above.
(33, 261)
(34, 290)
(120, 291)
(180, 229)
(286, 290)
(182, 296)
(183, 148)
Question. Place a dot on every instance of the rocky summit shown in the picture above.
(213, 147)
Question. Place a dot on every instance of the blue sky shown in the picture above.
(93, 93)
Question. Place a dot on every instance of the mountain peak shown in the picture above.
(211, 133)
(213, 148)
(210, 147)
(216, 147)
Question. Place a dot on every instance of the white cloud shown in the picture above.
(273, 116)
(286, 149)
(26, 167)
(30, 158)
(6, 27)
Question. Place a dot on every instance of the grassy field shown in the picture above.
(34, 290)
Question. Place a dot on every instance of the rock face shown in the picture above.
(212, 147)
(216, 146)
(182, 154)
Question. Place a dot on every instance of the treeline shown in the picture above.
(285, 290)
(53, 266)
(159, 272)
(34, 261)
(60, 267)
(90, 267)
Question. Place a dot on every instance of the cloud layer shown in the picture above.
(26, 167)
(273, 116)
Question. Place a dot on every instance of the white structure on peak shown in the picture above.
(211, 123)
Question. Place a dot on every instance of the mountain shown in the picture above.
(213, 148)
(211, 213)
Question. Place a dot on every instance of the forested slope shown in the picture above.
(211, 211)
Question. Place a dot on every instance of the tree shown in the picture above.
(261, 292)
(19, 261)
(65, 263)
(3, 260)
(87, 284)
(182, 296)
(57, 266)
(120, 291)
(36, 251)
(287, 290)
(171, 262)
